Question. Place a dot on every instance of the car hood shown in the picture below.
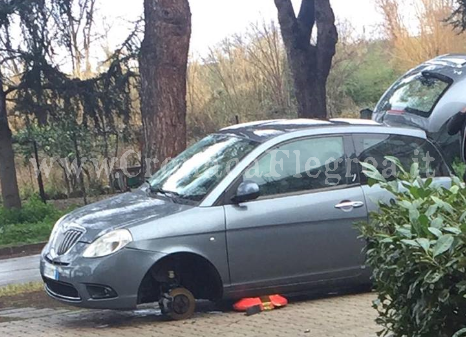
(122, 211)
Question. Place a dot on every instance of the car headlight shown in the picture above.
(109, 243)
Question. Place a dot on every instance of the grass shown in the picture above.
(16, 289)
(25, 233)
(31, 224)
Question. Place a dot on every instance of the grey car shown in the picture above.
(255, 209)
(427, 97)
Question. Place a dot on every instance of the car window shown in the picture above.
(416, 94)
(298, 166)
(195, 172)
(374, 148)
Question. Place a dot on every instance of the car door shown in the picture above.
(373, 148)
(300, 230)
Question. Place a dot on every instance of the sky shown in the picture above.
(214, 20)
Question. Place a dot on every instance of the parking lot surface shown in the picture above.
(347, 316)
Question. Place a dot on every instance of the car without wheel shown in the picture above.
(254, 209)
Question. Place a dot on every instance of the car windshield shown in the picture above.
(417, 94)
(196, 171)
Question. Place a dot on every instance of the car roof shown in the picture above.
(451, 65)
(449, 60)
(262, 131)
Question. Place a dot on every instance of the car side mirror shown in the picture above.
(366, 114)
(246, 191)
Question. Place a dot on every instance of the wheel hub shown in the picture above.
(181, 304)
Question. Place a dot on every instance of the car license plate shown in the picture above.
(51, 272)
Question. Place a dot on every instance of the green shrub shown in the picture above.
(459, 167)
(417, 250)
(34, 210)
(28, 192)
(26, 233)
(33, 223)
(52, 192)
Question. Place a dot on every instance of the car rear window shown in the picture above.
(417, 94)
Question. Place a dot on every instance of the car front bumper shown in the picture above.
(74, 277)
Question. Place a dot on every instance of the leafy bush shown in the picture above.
(417, 249)
(374, 76)
(54, 193)
(33, 223)
(459, 167)
(26, 233)
(27, 192)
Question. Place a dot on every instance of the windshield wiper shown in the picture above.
(174, 196)
(170, 194)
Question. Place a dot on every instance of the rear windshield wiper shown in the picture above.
(415, 111)
(441, 77)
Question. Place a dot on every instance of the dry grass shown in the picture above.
(418, 32)
(16, 289)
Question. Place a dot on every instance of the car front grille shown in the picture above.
(67, 240)
(61, 290)
(48, 258)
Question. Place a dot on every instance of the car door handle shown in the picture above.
(349, 205)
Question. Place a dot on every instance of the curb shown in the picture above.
(23, 250)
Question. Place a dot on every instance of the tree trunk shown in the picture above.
(310, 64)
(67, 181)
(163, 65)
(40, 181)
(107, 154)
(80, 170)
(8, 179)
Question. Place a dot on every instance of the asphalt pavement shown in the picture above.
(19, 270)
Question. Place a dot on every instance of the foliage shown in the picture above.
(54, 141)
(432, 36)
(247, 76)
(460, 167)
(26, 233)
(33, 223)
(373, 77)
(417, 249)
(458, 17)
(44, 97)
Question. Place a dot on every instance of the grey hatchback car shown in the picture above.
(255, 209)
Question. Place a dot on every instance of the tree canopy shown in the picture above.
(35, 35)
(458, 18)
